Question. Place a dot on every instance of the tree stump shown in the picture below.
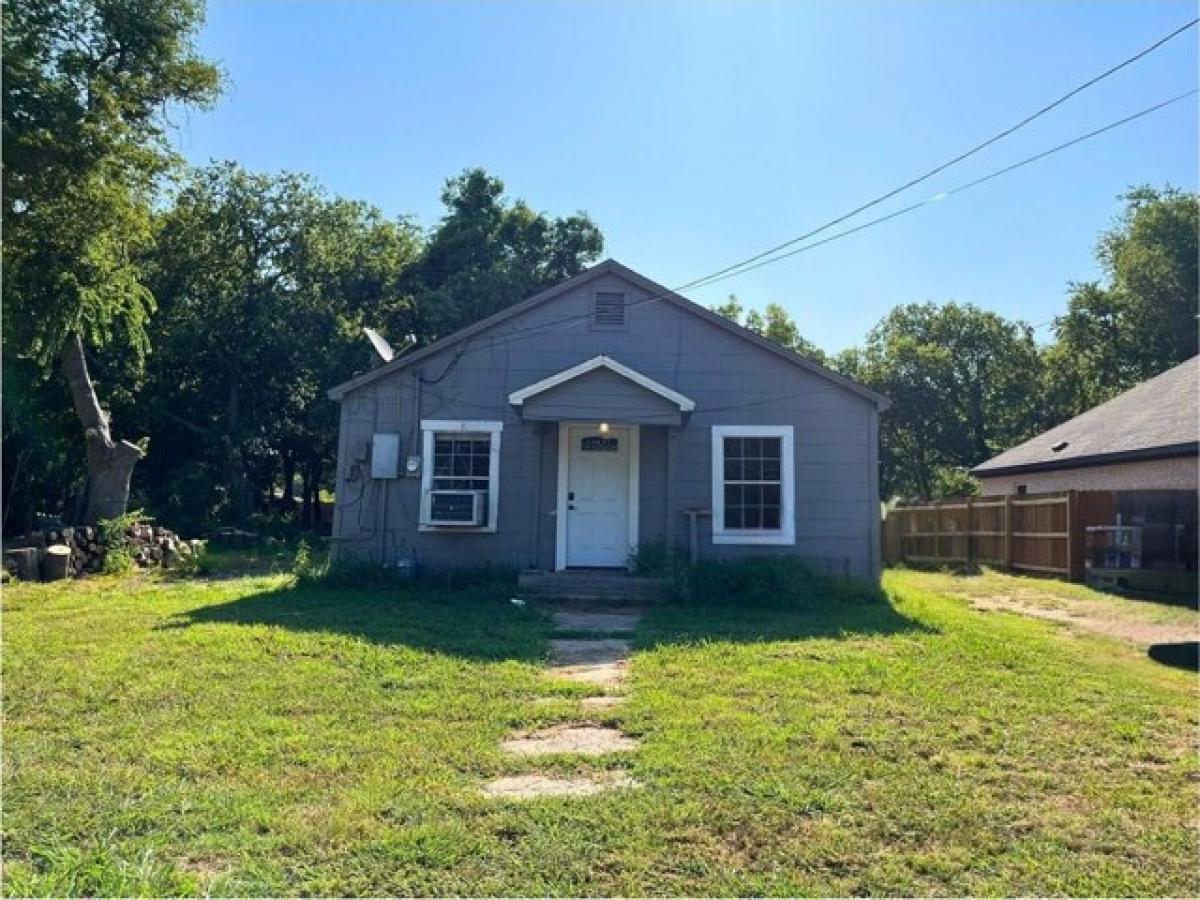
(56, 562)
(22, 562)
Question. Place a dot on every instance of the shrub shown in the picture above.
(197, 562)
(768, 581)
(353, 572)
(657, 559)
(306, 565)
(114, 538)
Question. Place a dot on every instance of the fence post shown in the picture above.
(1008, 532)
(970, 535)
(1074, 539)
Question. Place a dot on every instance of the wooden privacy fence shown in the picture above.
(1041, 533)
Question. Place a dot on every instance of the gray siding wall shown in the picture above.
(732, 381)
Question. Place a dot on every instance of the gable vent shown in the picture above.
(609, 311)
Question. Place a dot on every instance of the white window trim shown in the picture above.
(786, 534)
(560, 508)
(432, 427)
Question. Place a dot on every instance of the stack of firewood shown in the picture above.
(63, 552)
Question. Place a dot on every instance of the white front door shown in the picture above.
(598, 495)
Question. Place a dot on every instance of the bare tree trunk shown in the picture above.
(315, 487)
(234, 461)
(306, 496)
(110, 463)
(289, 480)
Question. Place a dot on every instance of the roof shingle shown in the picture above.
(1159, 417)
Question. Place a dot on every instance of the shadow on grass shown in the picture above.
(478, 623)
(1184, 655)
(841, 619)
(481, 622)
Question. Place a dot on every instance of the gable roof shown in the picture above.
(1158, 418)
(657, 293)
(685, 404)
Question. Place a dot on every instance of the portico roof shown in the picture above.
(518, 398)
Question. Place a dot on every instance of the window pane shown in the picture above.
(752, 517)
(753, 489)
(461, 463)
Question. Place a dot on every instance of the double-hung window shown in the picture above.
(460, 475)
(753, 484)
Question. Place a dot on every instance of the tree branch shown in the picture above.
(83, 392)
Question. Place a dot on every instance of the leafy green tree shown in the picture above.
(86, 88)
(264, 284)
(773, 323)
(487, 253)
(1142, 320)
(964, 385)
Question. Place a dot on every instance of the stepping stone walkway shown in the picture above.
(599, 661)
(524, 787)
(603, 662)
(589, 740)
(569, 620)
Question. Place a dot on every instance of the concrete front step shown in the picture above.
(610, 588)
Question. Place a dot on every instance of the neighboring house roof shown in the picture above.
(657, 292)
(685, 404)
(1159, 418)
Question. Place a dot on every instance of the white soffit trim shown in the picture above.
(685, 404)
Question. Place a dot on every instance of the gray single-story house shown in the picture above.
(600, 415)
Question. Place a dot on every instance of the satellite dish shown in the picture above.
(382, 347)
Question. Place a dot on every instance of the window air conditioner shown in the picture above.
(457, 508)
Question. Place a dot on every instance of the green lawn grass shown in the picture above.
(244, 735)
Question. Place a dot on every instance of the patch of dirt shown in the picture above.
(589, 740)
(205, 869)
(1079, 616)
(608, 701)
(601, 662)
(570, 620)
(526, 787)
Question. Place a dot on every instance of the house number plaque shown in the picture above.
(596, 444)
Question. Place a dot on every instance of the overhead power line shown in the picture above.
(748, 263)
(937, 198)
(520, 334)
(955, 160)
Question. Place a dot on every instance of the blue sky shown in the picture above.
(696, 133)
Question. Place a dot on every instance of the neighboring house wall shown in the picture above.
(1179, 473)
(733, 381)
